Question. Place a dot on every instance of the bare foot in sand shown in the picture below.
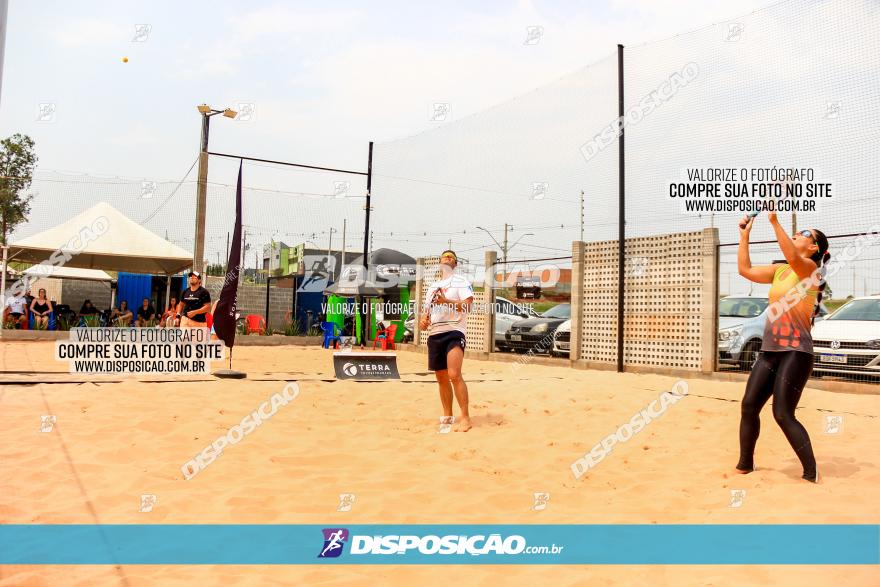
(743, 471)
(464, 424)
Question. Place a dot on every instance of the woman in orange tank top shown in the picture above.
(786, 358)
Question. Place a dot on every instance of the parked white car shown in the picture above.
(562, 340)
(847, 342)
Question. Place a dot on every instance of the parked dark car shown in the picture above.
(536, 334)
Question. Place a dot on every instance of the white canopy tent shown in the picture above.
(68, 273)
(99, 238)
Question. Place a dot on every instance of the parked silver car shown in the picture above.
(741, 324)
(506, 314)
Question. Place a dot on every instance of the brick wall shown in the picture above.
(75, 291)
(251, 299)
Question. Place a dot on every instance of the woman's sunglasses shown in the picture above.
(807, 233)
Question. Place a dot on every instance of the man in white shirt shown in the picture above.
(16, 308)
(445, 318)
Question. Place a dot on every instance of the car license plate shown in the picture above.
(825, 358)
(516, 337)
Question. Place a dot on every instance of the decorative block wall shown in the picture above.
(670, 301)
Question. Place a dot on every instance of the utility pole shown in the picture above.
(330, 251)
(504, 252)
(342, 263)
(227, 250)
(450, 244)
(202, 189)
(241, 262)
(367, 234)
(582, 215)
(201, 197)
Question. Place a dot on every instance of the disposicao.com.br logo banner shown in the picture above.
(405, 544)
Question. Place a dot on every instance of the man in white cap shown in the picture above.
(195, 303)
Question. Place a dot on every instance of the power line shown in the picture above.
(171, 195)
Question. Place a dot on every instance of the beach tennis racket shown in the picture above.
(750, 215)
(433, 301)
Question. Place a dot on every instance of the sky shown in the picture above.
(322, 80)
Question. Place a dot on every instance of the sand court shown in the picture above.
(112, 442)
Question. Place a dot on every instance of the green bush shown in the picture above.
(92, 320)
(292, 328)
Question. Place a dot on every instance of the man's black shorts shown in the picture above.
(439, 346)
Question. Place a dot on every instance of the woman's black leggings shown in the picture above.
(782, 375)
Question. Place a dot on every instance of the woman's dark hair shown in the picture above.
(820, 257)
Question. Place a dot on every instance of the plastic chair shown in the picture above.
(387, 338)
(49, 326)
(330, 334)
(255, 323)
(28, 325)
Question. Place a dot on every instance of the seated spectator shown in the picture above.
(121, 316)
(41, 308)
(88, 309)
(16, 309)
(168, 317)
(145, 313)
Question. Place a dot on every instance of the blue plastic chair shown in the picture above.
(51, 325)
(330, 335)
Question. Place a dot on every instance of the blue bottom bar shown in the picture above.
(440, 544)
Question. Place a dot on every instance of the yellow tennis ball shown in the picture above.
(125, 59)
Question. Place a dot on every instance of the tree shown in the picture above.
(17, 162)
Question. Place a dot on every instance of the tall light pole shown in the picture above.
(202, 192)
(504, 248)
(330, 252)
(582, 215)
